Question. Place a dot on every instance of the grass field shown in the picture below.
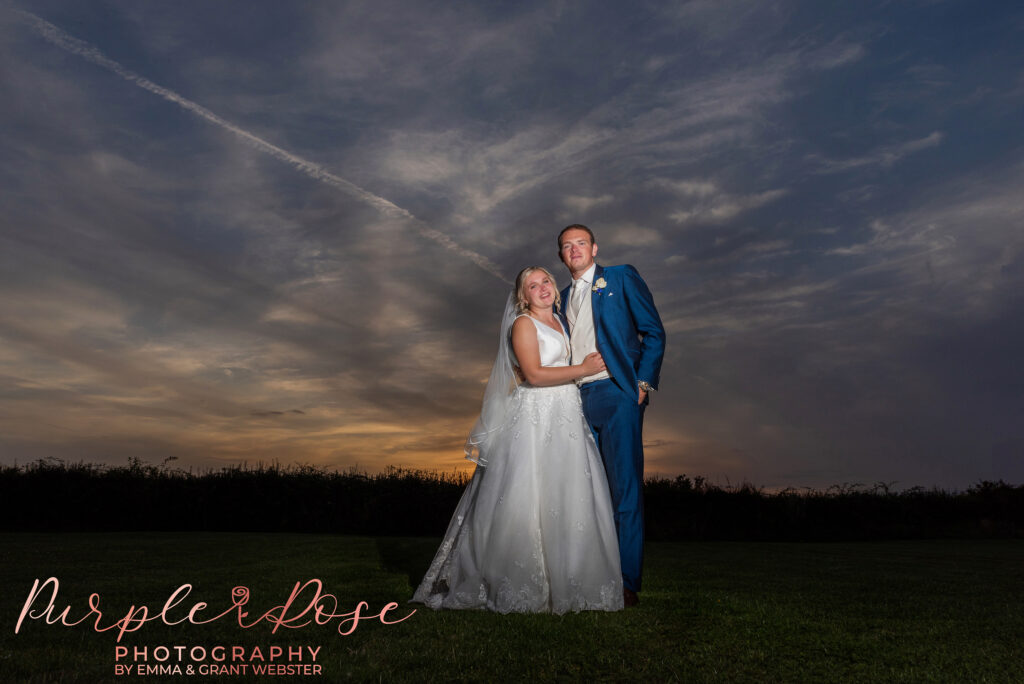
(870, 612)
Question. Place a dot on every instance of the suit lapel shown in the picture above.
(595, 299)
(563, 312)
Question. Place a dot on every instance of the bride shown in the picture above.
(533, 531)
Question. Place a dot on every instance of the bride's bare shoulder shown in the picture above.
(523, 321)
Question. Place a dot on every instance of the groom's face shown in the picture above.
(577, 251)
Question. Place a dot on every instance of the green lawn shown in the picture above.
(871, 612)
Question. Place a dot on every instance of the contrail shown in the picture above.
(79, 47)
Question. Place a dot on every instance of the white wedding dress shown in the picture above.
(534, 530)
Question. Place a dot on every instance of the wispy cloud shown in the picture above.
(836, 54)
(883, 156)
(584, 204)
(706, 203)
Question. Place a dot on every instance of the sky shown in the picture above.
(284, 232)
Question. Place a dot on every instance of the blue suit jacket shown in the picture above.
(629, 332)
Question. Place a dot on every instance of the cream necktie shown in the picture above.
(579, 289)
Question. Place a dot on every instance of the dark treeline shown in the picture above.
(56, 497)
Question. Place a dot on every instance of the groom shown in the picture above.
(610, 310)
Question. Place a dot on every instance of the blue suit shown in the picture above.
(631, 340)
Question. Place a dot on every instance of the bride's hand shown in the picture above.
(592, 363)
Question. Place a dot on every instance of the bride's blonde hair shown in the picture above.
(522, 305)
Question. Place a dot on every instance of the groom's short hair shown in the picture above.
(576, 226)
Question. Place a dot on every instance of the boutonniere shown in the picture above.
(599, 285)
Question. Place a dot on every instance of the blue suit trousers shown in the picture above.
(617, 422)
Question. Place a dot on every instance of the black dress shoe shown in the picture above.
(629, 598)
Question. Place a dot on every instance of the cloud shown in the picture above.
(583, 204)
(885, 156)
(633, 236)
(358, 46)
(963, 230)
(837, 54)
(707, 204)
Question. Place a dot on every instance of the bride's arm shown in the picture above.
(524, 344)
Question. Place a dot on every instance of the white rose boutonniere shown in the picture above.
(599, 285)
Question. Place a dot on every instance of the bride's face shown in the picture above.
(539, 291)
